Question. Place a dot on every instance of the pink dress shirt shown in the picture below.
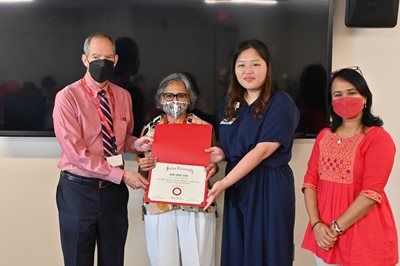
(77, 126)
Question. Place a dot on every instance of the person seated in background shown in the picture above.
(177, 235)
(351, 221)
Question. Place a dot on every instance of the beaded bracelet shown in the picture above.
(314, 224)
(337, 228)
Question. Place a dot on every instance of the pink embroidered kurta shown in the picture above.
(341, 169)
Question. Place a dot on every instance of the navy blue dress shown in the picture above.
(259, 210)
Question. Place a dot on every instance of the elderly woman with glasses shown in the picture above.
(351, 221)
(177, 235)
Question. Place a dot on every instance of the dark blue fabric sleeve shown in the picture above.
(280, 120)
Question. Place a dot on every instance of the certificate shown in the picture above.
(178, 183)
(179, 176)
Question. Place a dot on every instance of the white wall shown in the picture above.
(28, 173)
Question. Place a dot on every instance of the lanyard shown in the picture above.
(97, 106)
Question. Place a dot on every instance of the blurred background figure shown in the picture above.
(24, 109)
(6, 87)
(124, 75)
(200, 109)
(313, 113)
(49, 90)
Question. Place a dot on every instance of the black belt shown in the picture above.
(90, 181)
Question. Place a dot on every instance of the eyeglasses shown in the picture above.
(170, 96)
(355, 68)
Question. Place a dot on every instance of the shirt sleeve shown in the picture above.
(281, 120)
(311, 177)
(379, 158)
(68, 132)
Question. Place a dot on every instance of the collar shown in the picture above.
(92, 86)
(242, 102)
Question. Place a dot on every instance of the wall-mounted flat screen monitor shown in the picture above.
(41, 44)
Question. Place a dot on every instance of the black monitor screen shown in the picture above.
(41, 44)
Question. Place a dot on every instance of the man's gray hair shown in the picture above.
(176, 77)
(96, 35)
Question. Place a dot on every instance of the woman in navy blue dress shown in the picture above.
(257, 124)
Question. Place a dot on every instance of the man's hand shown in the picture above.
(143, 144)
(134, 180)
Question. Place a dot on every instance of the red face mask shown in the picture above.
(348, 107)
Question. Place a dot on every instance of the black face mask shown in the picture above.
(101, 69)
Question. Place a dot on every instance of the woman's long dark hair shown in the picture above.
(358, 81)
(236, 91)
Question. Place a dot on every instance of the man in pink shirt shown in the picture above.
(93, 123)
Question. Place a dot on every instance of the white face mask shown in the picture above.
(175, 108)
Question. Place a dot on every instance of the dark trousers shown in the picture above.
(89, 215)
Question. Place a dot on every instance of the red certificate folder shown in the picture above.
(183, 144)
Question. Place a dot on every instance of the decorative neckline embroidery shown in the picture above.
(336, 162)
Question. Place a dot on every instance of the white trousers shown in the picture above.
(320, 262)
(181, 238)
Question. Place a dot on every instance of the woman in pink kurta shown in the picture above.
(351, 222)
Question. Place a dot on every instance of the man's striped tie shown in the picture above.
(108, 141)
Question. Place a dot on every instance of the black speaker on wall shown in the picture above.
(371, 13)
